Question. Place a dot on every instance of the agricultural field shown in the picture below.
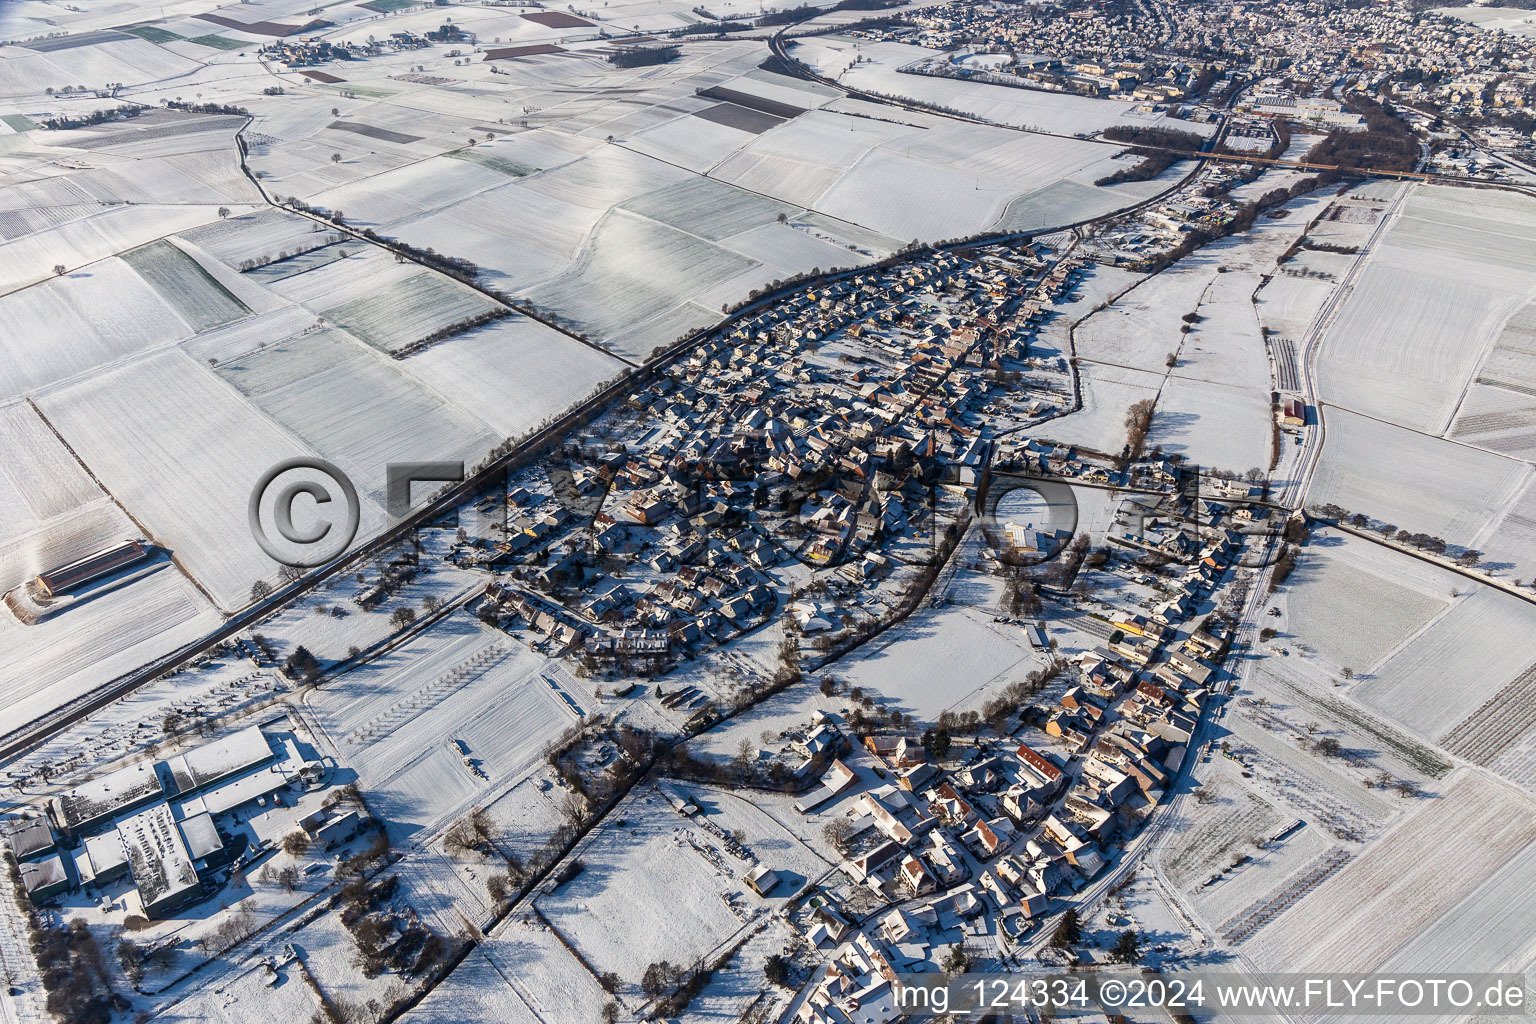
(200, 300)
(634, 271)
(42, 487)
(513, 373)
(130, 426)
(410, 311)
(1418, 482)
(1354, 603)
(877, 73)
(1499, 412)
(523, 974)
(1213, 425)
(79, 322)
(1430, 306)
(1108, 391)
(682, 897)
(1483, 642)
(1402, 883)
(65, 656)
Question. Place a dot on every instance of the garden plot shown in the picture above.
(1430, 304)
(354, 407)
(1229, 828)
(654, 887)
(1333, 798)
(1417, 482)
(190, 289)
(396, 719)
(180, 450)
(943, 659)
(1344, 602)
(634, 270)
(1403, 882)
(1212, 424)
(512, 374)
(74, 324)
(248, 996)
(1259, 889)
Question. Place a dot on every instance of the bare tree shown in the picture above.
(838, 832)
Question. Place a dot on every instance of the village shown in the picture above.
(808, 470)
(806, 462)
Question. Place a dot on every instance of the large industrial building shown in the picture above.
(154, 820)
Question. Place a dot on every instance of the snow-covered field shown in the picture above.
(354, 407)
(1354, 602)
(180, 450)
(1400, 885)
(397, 718)
(877, 72)
(513, 373)
(1430, 305)
(1213, 425)
(939, 659)
(92, 642)
(658, 886)
(1484, 641)
(1418, 482)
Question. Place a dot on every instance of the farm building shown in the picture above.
(1293, 413)
(91, 568)
(761, 880)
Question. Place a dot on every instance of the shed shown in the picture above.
(761, 880)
